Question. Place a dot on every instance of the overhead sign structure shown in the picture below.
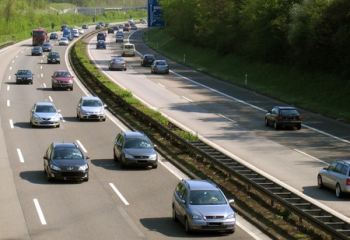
(155, 14)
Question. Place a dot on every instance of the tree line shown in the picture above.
(312, 34)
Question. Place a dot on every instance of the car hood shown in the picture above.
(139, 151)
(92, 109)
(53, 57)
(62, 79)
(65, 163)
(211, 210)
(46, 115)
(25, 76)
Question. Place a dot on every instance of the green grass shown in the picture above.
(327, 94)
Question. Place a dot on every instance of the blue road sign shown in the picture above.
(155, 14)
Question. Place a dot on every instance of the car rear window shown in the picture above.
(129, 46)
(289, 112)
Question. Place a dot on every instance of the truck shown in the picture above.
(67, 32)
(39, 36)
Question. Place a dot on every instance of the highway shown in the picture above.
(113, 204)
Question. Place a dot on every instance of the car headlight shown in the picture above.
(55, 167)
(153, 157)
(57, 117)
(70, 81)
(83, 168)
(36, 118)
(128, 155)
(196, 217)
(231, 216)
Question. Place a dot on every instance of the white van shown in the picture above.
(128, 50)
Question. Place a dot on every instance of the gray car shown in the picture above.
(47, 47)
(201, 206)
(336, 177)
(24, 76)
(134, 149)
(44, 114)
(117, 63)
(91, 108)
(160, 66)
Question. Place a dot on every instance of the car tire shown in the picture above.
(299, 126)
(276, 126)
(174, 215)
(31, 124)
(104, 119)
(155, 166)
(338, 192)
(31, 82)
(187, 227)
(122, 164)
(167, 72)
(320, 182)
(53, 88)
(48, 177)
(86, 179)
(115, 158)
(71, 88)
(267, 122)
(58, 125)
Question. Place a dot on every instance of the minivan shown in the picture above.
(128, 50)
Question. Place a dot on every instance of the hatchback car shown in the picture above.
(101, 36)
(24, 76)
(53, 35)
(283, 116)
(134, 149)
(53, 57)
(63, 41)
(336, 177)
(119, 38)
(65, 161)
(101, 44)
(117, 63)
(44, 114)
(47, 47)
(37, 51)
(147, 59)
(110, 30)
(201, 206)
(160, 66)
(62, 79)
(91, 108)
(98, 26)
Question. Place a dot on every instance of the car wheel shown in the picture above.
(115, 158)
(71, 88)
(124, 69)
(338, 191)
(267, 122)
(53, 88)
(86, 179)
(48, 177)
(275, 126)
(319, 182)
(167, 72)
(299, 126)
(187, 227)
(59, 62)
(104, 119)
(31, 82)
(154, 166)
(122, 164)
(174, 215)
(31, 124)
(58, 125)
(17, 82)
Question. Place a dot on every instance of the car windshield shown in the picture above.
(45, 108)
(53, 54)
(67, 153)
(23, 72)
(137, 143)
(206, 197)
(62, 75)
(289, 112)
(92, 103)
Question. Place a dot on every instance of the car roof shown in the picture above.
(195, 184)
(343, 161)
(24, 70)
(45, 103)
(90, 98)
(65, 71)
(64, 144)
(134, 134)
(284, 107)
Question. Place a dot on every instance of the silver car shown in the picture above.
(91, 108)
(117, 63)
(336, 177)
(160, 66)
(45, 114)
(201, 206)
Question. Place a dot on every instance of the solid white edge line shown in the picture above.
(40, 212)
(161, 85)
(171, 171)
(81, 145)
(11, 123)
(20, 156)
(118, 193)
(308, 155)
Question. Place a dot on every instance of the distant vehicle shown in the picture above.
(143, 21)
(128, 50)
(47, 47)
(53, 57)
(106, 25)
(65, 161)
(67, 33)
(37, 51)
(91, 108)
(24, 76)
(160, 66)
(62, 79)
(39, 36)
(81, 30)
(117, 63)
(53, 35)
(76, 33)
(283, 116)
(133, 27)
(101, 36)
(85, 26)
(126, 27)
(98, 26)
(64, 26)
(119, 38)
(101, 44)
(63, 41)
(44, 114)
(147, 59)
(134, 149)
(110, 30)
(101, 23)
(116, 28)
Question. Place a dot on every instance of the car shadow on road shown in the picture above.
(325, 194)
(39, 177)
(110, 164)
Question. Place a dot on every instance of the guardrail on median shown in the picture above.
(308, 211)
(7, 43)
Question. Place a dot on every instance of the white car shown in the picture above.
(63, 41)
(75, 33)
(81, 31)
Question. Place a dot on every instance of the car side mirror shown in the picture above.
(231, 200)
(87, 157)
(45, 157)
(58, 111)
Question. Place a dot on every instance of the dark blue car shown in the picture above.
(101, 44)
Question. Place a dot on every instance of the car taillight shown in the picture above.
(348, 182)
(300, 118)
(279, 118)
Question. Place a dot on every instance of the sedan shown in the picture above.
(37, 51)
(47, 47)
(85, 26)
(65, 161)
(53, 35)
(147, 59)
(91, 108)
(53, 57)
(44, 114)
(283, 116)
(336, 177)
(101, 44)
(98, 26)
(117, 63)
(119, 38)
(63, 41)
(24, 76)
(160, 66)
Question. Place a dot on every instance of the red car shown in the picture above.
(62, 79)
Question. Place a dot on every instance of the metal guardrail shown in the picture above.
(7, 43)
(306, 210)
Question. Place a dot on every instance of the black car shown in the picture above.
(65, 161)
(24, 76)
(53, 35)
(47, 47)
(101, 44)
(283, 116)
(53, 57)
(147, 59)
(134, 149)
(101, 36)
(37, 51)
(111, 30)
(98, 26)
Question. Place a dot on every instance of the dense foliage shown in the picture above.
(312, 34)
